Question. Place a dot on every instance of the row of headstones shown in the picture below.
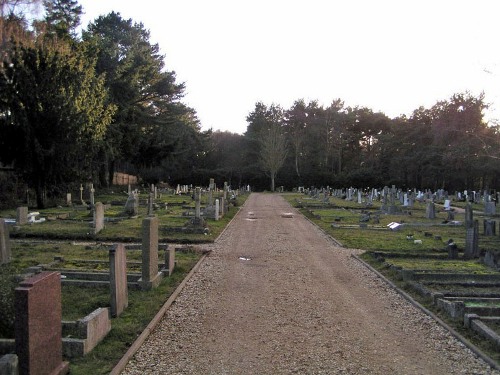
(38, 308)
(389, 196)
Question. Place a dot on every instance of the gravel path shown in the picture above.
(276, 296)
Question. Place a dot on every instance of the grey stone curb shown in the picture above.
(120, 366)
(457, 335)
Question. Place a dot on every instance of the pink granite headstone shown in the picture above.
(38, 325)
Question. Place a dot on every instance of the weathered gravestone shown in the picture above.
(150, 278)
(216, 214)
(38, 325)
(4, 242)
(68, 200)
(471, 234)
(98, 217)
(118, 280)
(489, 227)
(169, 261)
(430, 212)
(489, 208)
(22, 215)
(132, 204)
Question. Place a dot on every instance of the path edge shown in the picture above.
(478, 352)
(120, 366)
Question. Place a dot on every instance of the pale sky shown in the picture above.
(388, 55)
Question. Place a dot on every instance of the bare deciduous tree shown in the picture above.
(273, 151)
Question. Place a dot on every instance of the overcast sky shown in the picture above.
(390, 56)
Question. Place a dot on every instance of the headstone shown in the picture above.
(471, 240)
(132, 205)
(4, 243)
(489, 208)
(405, 200)
(169, 261)
(68, 199)
(92, 198)
(489, 227)
(197, 200)
(211, 188)
(98, 217)
(150, 278)
(216, 216)
(430, 212)
(22, 215)
(81, 195)
(150, 203)
(38, 326)
(118, 280)
(447, 205)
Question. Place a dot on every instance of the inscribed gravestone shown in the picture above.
(4, 242)
(150, 278)
(118, 280)
(38, 325)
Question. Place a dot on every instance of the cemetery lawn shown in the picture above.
(419, 245)
(75, 223)
(65, 241)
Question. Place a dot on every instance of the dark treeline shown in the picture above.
(77, 108)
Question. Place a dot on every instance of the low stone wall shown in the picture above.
(86, 333)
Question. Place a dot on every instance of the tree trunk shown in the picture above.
(272, 183)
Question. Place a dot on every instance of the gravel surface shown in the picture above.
(276, 296)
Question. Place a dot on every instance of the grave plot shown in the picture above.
(177, 214)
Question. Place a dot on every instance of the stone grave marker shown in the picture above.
(118, 279)
(430, 212)
(22, 215)
(98, 217)
(132, 204)
(489, 208)
(471, 234)
(4, 243)
(150, 278)
(68, 200)
(38, 327)
(489, 227)
(81, 195)
(169, 261)
(216, 215)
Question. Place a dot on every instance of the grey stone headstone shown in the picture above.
(489, 208)
(22, 216)
(118, 280)
(216, 216)
(150, 277)
(5, 253)
(98, 217)
(430, 212)
(132, 205)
